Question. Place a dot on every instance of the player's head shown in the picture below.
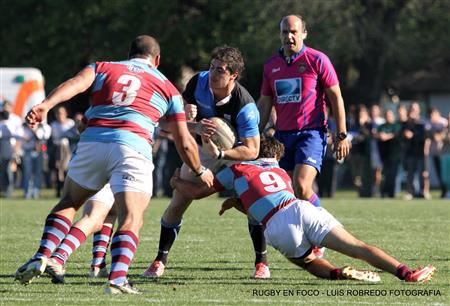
(146, 47)
(227, 65)
(270, 147)
(292, 33)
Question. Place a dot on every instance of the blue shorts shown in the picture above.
(302, 147)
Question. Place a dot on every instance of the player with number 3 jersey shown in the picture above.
(128, 99)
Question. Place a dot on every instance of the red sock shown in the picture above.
(73, 240)
(55, 229)
(336, 274)
(403, 271)
(100, 245)
(123, 247)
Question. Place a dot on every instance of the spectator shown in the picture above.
(360, 154)
(436, 131)
(402, 117)
(326, 181)
(445, 159)
(11, 133)
(375, 160)
(61, 145)
(413, 137)
(34, 145)
(389, 144)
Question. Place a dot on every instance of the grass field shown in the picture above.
(212, 260)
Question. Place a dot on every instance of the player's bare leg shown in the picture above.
(303, 178)
(324, 269)
(91, 221)
(170, 227)
(340, 240)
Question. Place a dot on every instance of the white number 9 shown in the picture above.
(272, 181)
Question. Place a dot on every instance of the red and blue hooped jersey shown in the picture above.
(261, 185)
(298, 88)
(127, 100)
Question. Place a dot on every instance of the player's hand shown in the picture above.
(37, 114)
(228, 204)
(342, 149)
(207, 178)
(210, 147)
(205, 128)
(191, 111)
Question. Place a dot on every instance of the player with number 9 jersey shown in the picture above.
(261, 185)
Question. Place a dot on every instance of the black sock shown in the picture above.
(259, 242)
(169, 233)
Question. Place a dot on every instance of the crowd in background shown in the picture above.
(393, 149)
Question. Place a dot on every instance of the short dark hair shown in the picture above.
(143, 46)
(270, 148)
(231, 56)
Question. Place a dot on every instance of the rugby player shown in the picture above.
(293, 226)
(128, 98)
(216, 93)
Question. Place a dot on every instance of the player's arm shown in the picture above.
(187, 148)
(70, 88)
(230, 203)
(248, 150)
(342, 147)
(189, 189)
(265, 104)
(247, 121)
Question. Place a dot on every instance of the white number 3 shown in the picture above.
(129, 90)
(272, 181)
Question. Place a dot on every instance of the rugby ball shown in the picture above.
(225, 136)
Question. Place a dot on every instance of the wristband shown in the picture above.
(200, 173)
(221, 154)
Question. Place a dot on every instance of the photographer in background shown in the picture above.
(11, 133)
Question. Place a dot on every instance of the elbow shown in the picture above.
(253, 153)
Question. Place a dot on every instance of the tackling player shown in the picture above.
(293, 226)
(216, 93)
(128, 98)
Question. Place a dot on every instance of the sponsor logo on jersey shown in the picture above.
(276, 69)
(128, 177)
(302, 67)
(311, 160)
(135, 69)
(251, 115)
(288, 90)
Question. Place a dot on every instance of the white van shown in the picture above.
(23, 87)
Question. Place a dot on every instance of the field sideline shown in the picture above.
(212, 260)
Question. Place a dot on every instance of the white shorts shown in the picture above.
(94, 164)
(104, 196)
(294, 229)
(206, 160)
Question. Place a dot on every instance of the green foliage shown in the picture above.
(212, 260)
(371, 43)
